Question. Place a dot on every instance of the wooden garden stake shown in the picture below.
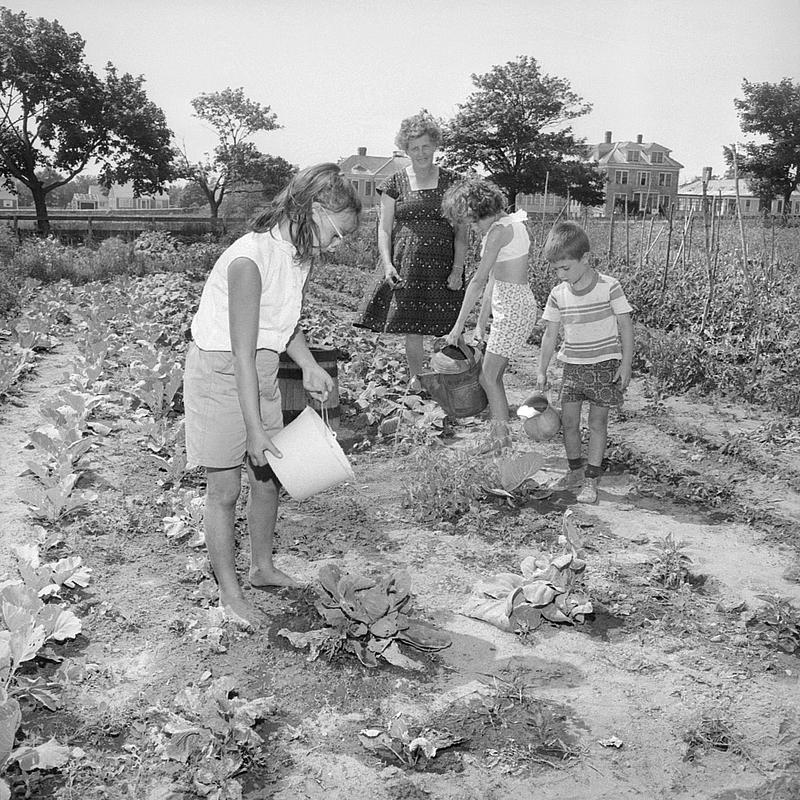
(627, 239)
(669, 243)
(610, 240)
(748, 274)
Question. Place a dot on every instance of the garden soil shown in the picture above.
(663, 693)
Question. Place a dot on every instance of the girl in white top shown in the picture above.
(504, 262)
(248, 314)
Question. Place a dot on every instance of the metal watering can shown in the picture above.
(541, 421)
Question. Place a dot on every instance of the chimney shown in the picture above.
(638, 138)
(362, 151)
(608, 137)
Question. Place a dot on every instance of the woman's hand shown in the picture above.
(479, 334)
(258, 443)
(392, 275)
(317, 382)
(453, 336)
(541, 382)
(455, 280)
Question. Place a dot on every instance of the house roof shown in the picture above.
(373, 166)
(6, 194)
(617, 155)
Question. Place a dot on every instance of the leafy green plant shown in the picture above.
(446, 484)
(711, 732)
(56, 502)
(186, 521)
(157, 378)
(209, 731)
(411, 746)
(671, 564)
(546, 591)
(29, 624)
(366, 617)
(777, 623)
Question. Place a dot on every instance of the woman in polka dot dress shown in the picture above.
(421, 252)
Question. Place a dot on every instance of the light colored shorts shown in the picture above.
(514, 312)
(215, 431)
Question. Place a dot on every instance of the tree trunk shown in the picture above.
(40, 204)
(787, 203)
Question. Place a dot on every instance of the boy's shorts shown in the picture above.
(215, 430)
(593, 383)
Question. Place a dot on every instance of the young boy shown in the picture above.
(596, 351)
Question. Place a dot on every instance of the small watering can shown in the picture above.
(541, 421)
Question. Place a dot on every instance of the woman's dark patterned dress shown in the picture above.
(422, 253)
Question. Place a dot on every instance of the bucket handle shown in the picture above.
(324, 414)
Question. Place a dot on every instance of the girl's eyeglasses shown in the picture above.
(335, 226)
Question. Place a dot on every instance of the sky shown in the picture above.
(342, 74)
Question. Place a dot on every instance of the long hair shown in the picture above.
(321, 183)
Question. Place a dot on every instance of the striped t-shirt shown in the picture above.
(589, 318)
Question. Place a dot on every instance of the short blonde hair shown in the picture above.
(422, 124)
(472, 199)
(566, 240)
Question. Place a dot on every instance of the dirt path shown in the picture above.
(699, 708)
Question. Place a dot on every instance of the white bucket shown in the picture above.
(312, 458)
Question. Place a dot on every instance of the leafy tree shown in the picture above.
(188, 195)
(513, 127)
(235, 161)
(246, 199)
(57, 116)
(62, 194)
(773, 111)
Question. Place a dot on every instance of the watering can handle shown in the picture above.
(467, 351)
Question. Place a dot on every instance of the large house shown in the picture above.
(116, 198)
(367, 172)
(640, 174)
(722, 193)
(7, 199)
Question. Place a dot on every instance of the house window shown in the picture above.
(633, 155)
(621, 176)
(355, 184)
(643, 179)
(368, 188)
(657, 157)
(779, 206)
(746, 205)
(664, 202)
(620, 200)
(665, 179)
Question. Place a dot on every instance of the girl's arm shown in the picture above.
(455, 279)
(244, 307)
(316, 381)
(626, 338)
(546, 352)
(385, 238)
(495, 239)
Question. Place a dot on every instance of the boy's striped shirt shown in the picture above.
(589, 319)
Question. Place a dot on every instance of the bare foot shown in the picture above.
(241, 613)
(270, 578)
